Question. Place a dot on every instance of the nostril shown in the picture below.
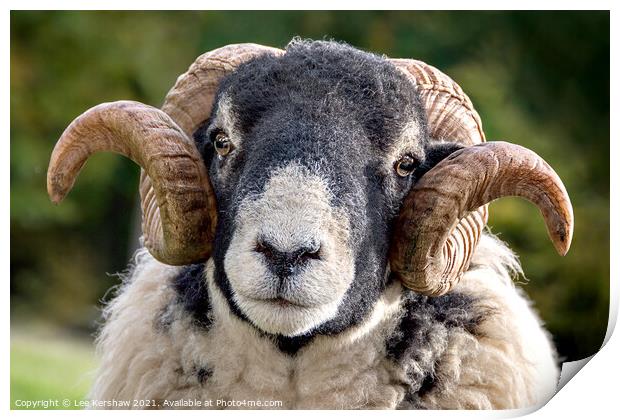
(266, 249)
(260, 246)
(310, 253)
(286, 264)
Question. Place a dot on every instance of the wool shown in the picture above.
(482, 346)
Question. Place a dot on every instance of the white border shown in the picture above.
(594, 391)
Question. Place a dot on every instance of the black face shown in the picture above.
(346, 117)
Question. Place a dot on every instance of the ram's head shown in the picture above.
(313, 177)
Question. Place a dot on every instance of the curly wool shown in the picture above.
(481, 346)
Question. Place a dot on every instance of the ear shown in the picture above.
(436, 152)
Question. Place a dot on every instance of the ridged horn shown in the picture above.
(189, 104)
(434, 264)
(190, 100)
(177, 200)
(177, 222)
(437, 232)
(451, 116)
(449, 111)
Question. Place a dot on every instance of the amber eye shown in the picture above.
(405, 165)
(222, 144)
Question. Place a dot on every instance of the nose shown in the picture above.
(286, 264)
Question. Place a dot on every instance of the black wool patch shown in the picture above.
(193, 294)
(203, 374)
(417, 341)
(291, 345)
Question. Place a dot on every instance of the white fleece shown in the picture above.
(509, 363)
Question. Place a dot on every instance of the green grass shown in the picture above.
(47, 364)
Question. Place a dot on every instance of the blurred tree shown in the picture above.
(540, 79)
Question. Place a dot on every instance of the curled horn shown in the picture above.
(442, 217)
(433, 240)
(178, 205)
(190, 100)
(177, 223)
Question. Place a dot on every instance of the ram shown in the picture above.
(313, 225)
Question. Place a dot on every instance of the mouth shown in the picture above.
(280, 314)
(279, 302)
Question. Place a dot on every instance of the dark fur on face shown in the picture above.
(322, 105)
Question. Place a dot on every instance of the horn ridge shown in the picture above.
(450, 197)
(178, 222)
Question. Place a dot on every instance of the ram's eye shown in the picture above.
(222, 144)
(405, 165)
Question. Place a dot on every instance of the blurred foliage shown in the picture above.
(540, 79)
(47, 364)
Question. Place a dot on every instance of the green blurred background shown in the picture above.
(540, 79)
